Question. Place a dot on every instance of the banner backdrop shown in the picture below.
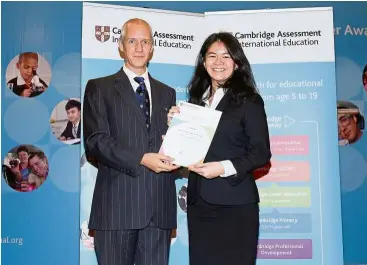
(177, 39)
(39, 226)
(47, 219)
(295, 72)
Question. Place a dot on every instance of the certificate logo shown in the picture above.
(102, 33)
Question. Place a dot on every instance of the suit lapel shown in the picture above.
(79, 129)
(124, 88)
(224, 102)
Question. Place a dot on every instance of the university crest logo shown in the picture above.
(102, 33)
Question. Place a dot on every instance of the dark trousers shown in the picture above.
(148, 246)
(222, 235)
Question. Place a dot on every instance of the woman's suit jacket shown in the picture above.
(242, 137)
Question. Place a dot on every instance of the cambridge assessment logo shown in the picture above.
(102, 33)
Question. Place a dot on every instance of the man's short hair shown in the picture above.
(22, 149)
(72, 103)
(134, 21)
(40, 155)
(27, 55)
(349, 108)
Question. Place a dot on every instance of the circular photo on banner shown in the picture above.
(364, 78)
(182, 198)
(28, 74)
(25, 168)
(65, 121)
(350, 123)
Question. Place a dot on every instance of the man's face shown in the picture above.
(73, 114)
(38, 166)
(137, 46)
(348, 128)
(23, 157)
(26, 67)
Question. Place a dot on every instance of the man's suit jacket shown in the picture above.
(127, 195)
(242, 137)
(68, 132)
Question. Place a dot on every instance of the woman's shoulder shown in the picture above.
(256, 99)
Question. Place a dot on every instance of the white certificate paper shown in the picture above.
(190, 134)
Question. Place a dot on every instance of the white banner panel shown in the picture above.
(292, 55)
(279, 35)
(170, 65)
(177, 37)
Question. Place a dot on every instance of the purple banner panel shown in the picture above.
(284, 249)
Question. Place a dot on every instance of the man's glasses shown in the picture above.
(345, 120)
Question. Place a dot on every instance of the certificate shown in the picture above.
(190, 134)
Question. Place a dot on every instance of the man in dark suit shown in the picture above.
(134, 203)
(72, 130)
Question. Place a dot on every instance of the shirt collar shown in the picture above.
(77, 124)
(130, 74)
(219, 91)
(20, 81)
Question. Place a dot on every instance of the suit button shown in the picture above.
(150, 143)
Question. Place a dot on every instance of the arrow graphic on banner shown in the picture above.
(288, 121)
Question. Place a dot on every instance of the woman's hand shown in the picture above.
(208, 170)
(171, 113)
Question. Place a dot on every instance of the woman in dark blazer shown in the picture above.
(223, 211)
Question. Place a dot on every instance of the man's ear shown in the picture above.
(152, 49)
(355, 119)
(121, 47)
(18, 65)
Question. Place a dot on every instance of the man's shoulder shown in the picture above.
(163, 85)
(102, 79)
(13, 81)
(103, 82)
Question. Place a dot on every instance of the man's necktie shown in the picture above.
(75, 131)
(143, 99)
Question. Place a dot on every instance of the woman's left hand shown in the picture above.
(208, 170)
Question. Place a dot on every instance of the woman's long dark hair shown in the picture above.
(240, 85)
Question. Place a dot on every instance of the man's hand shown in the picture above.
(208, 170)
(158, 162)
(62, 138)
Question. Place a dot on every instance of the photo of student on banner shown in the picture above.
(364, 78)
(25, 168)
(23, 75)
(350, 123)
(182, 198)
(65, 121)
